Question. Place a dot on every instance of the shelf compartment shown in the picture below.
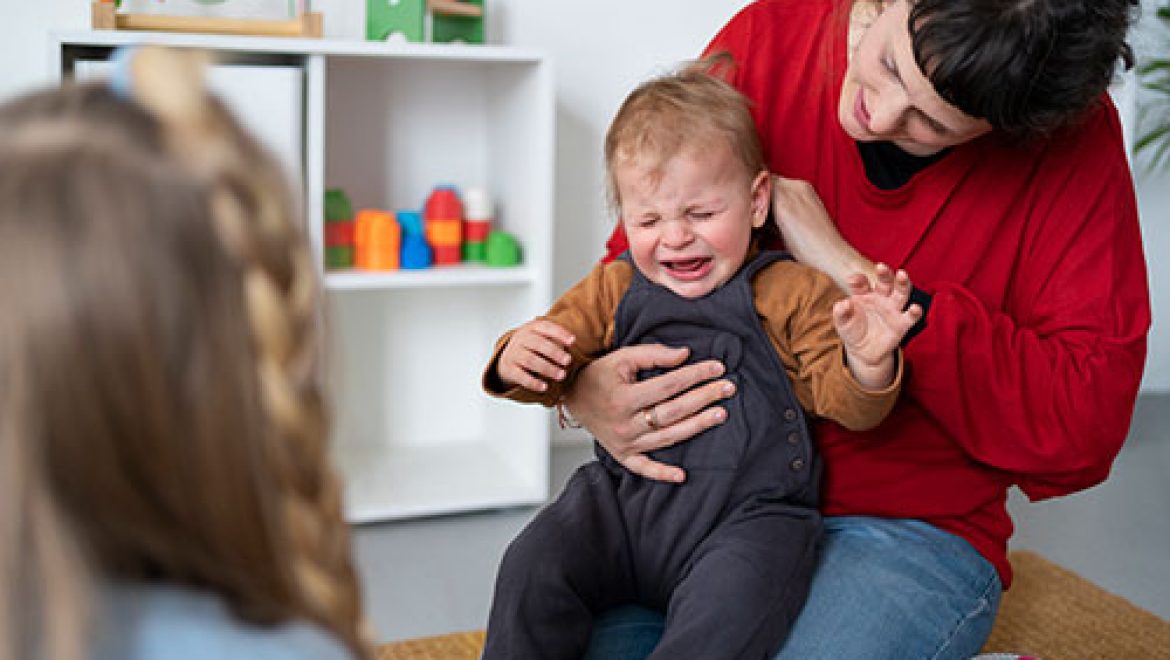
(396, 128)
(411, 421)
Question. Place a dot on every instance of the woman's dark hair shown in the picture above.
(1026, 66)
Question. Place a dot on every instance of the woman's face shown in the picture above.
(886, 97)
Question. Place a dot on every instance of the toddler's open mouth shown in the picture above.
(688, 269)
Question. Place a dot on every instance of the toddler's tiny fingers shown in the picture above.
(902, 280)
(537, 365)
(551, 350)
(528, 378)
(514, 376)
(554, 331)
(842, 311)
(914, 313)
(858, 284)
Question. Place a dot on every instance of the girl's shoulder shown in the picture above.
(147, 622)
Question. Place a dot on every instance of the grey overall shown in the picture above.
(727, 555)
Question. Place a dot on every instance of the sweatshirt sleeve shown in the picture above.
(586, 310)
(1043, 387)
(795, 303)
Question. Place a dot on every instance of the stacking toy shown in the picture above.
(416, 254)
(339, 230)
(477, 222)
(443, 222)
(378, 240)
(502, 249)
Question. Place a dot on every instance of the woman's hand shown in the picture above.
(810, 235)
(630, 417)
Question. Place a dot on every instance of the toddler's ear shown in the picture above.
(761, 198)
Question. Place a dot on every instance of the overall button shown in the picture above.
(796, 464)
(790, 414)
(793, 438)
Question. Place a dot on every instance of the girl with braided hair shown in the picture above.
(160, 369)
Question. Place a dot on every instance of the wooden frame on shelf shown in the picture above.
(105, 17)
(455, 8)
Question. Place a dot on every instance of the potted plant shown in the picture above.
(1154, 120)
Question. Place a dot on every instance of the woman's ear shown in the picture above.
(761, 198)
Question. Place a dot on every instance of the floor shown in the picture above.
(432, 576)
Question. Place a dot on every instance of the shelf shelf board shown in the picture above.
(304, 46)
(440, 276)
(397, 482)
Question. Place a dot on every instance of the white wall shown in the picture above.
(1154, 206)
(600, 49)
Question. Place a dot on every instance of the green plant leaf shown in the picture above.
(1159, 159)
(1160, 86)
(1154, 119)
(1151, 138)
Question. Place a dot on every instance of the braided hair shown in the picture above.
(171, 324)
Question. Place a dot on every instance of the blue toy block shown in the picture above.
(411, 221)
(416, 254)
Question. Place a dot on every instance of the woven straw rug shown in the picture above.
(1055, 614)
(1050, 613)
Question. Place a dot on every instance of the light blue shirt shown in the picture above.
(155, 622)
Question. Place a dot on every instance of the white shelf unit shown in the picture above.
(413, 434)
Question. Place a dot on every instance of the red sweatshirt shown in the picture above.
(1035, 341)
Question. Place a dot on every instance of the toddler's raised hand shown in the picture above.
(872, 322)
(536, 354)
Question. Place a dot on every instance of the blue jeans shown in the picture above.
(884, 588)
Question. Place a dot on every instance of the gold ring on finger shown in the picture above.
(650, 414)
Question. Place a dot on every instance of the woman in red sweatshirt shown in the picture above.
(970, 142)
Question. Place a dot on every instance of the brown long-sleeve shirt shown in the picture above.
(794, 303)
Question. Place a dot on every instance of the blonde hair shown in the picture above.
(691, 108)
(159, 287)
(44, 598)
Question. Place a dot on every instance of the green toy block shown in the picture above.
(340, 256)
(468, 29)
(475, 251)
(502, 249)
(385, 17)
(337, 206)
